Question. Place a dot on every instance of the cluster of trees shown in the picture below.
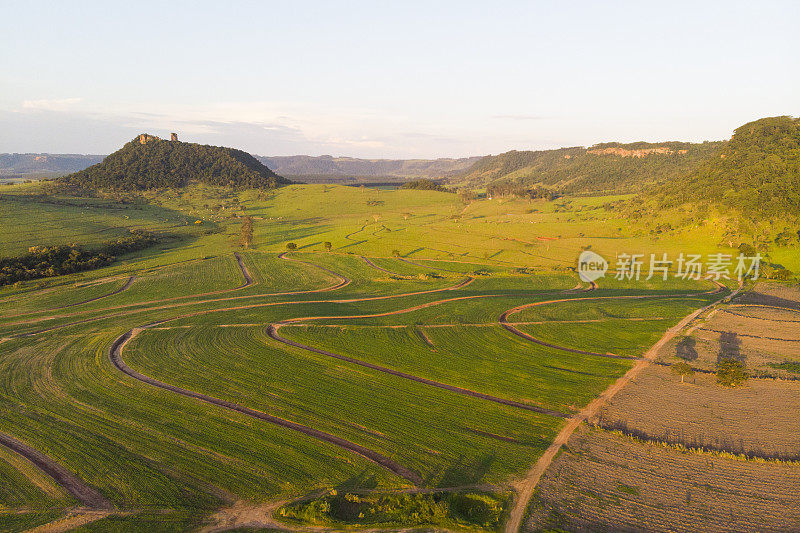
(44, 262)
(506, 188)
(425, 184)
(160, 164)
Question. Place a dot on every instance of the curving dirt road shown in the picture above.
(71, 483)
(115, 355)
(503, 319)
(341, 284)
(373, 265)
(124, 287)
(248, 279)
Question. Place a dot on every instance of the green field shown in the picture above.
(410, 296)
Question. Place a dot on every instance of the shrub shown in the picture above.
(731, 373)
(683, 369)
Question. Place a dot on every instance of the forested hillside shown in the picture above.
(148, 162)
(608, 167)
(756, 172)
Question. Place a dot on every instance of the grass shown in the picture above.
(447, 443)
(151, 451)
(504, 365)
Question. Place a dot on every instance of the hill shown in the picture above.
(328, 168)
(148, 162)
(757, 171)
(607, 167)
(44, 165)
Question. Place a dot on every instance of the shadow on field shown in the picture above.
(758, 298)
(466, 473)
(730, 348)
(351, 244)
(686, 349)
(363, 481)
(412, 252)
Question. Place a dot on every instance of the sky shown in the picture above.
(391, 79)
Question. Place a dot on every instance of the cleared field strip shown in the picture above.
(750, 336)
(71, 483)
(115, 354)
(759, 420)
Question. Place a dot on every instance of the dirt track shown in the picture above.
(115, 355)
(503, 320)
(71, 483)
(373, 265)
(124, 287)
(248, 279)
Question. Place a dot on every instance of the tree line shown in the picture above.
(49, 261)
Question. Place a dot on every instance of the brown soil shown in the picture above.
(605, 481)
(760, 418)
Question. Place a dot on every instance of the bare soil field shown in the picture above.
(659, 455)
(760, 418)
(761, 328)
(605, 478)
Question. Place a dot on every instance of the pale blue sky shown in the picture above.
(391, 79)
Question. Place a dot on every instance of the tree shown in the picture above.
(731, 373)
(291, 246)
(396, 253)
(327, 245)
(246, 236)
(683, 369)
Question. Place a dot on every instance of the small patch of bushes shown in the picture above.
(476, 509)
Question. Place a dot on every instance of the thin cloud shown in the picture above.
(51, 104)
(518, 117)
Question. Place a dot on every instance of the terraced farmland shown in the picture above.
(204, 384)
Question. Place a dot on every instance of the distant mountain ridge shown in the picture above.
(45, 165)
(326, 166)
(148, 162)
